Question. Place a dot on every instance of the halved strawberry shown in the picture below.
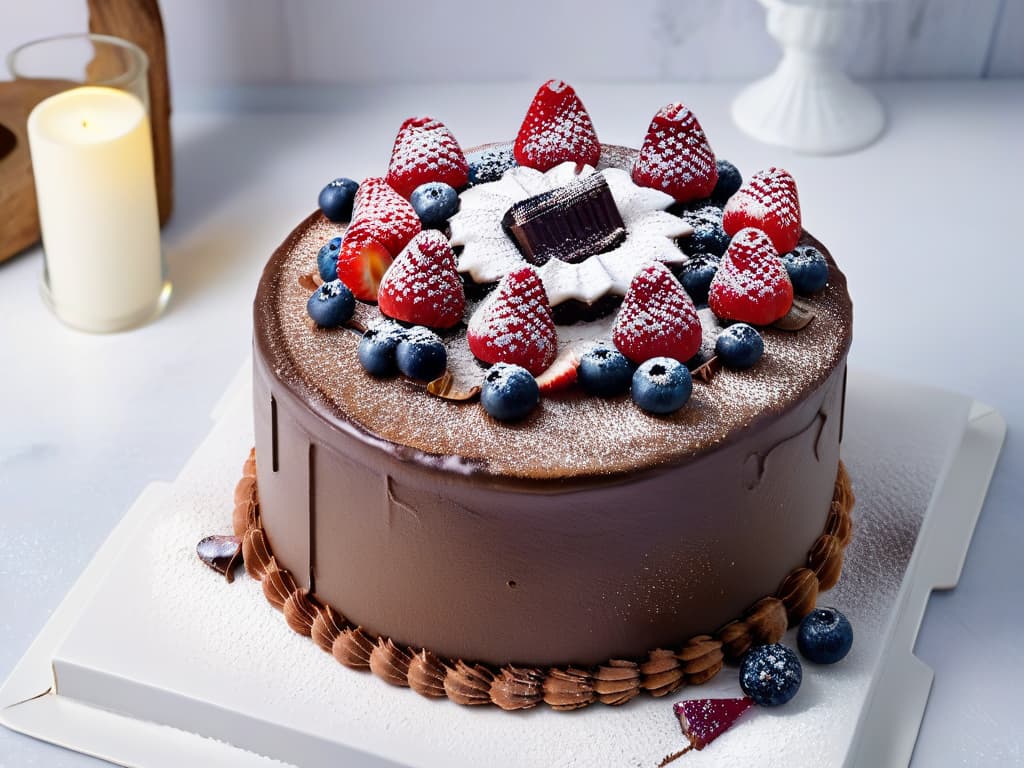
(751, 284)
(362, 262)
(425, 150)
(657, 318)
(556, 129)
(385, 215)
(422, 286)
(514, 324)
(676, 157)
(561, 374)
(768, 201)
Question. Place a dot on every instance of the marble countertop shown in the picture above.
(921, 222)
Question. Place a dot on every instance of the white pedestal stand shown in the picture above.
(808, 103)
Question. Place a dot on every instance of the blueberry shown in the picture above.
(434, 202)
(825, 636)
(378, 346)
(327, 260)
(421, 354)
(807, 268)
(770, 674)
(662, 385)
(739, 345)
(331, 305)
(605, 372)
(509, 392)
(697, 274)
(729, 182)
(708, 235)
(490, 164)
(336, 199)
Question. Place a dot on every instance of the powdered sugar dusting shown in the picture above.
(657, 318)
(384, 215)
(556, 129)
(568, 435)
(421, 285)
(768, 201)
(425, 150)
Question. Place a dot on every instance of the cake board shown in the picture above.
(194, 665)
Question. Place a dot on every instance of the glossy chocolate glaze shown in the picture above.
(590, 531)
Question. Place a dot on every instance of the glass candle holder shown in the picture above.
(92, 160)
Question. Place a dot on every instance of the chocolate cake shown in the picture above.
(584, 553)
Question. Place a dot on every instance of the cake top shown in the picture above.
(635, 308)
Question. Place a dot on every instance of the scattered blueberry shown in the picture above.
(434, 202)
(490, 164)
(336, 199)
(661, 385)
(509, 392)
(739, 345)
(807, 268)
(697, 274)
(421, 354)
(605, 372)
(327, 260)
(825, 636)
(378, 346)
(331, 305)
(770, 674)
(729, 182)
(708, 235)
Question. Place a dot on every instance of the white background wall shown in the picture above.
(215, 43)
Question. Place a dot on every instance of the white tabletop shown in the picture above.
(924, 224)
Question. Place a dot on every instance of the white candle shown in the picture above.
(92, 158)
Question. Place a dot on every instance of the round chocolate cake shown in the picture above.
(584, 552)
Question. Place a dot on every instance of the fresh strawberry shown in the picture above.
(751, 284)
(362, 262)
(384, 215)
(422, 286)
(657, 318)
(425, 150)
(704, 720)
(676, 157)
(561, 374)
(556, 129)
(514, 324)
(769, 202)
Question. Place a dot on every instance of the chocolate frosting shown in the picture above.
(590, 531)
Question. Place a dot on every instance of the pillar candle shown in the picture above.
(92, 158)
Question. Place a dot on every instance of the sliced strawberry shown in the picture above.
(362, 262)
(704, 720)
(425, 150)
(514, 324)
(751, 284)
(769, 202)
(561, 374)
(384, 215)
(422, 286)
(556, 129)
(657, 318)
(676, 157)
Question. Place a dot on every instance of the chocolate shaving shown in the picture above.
(310, 282)
(799, 316)
(705, 371)
(446, 388)
(222, 553)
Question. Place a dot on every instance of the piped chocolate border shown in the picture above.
(615, 682)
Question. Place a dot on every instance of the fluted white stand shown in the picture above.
(808, 103)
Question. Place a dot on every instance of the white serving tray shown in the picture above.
(153, 660)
